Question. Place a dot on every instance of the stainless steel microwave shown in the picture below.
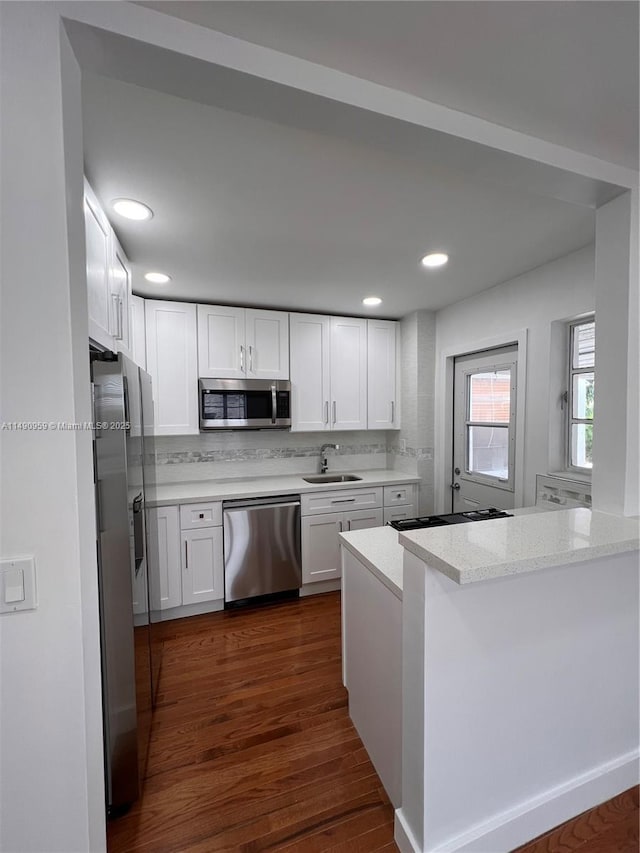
(244, 403)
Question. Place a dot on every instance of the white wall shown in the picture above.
(50, 719)
(615, 432)
(559, 290)
(411, 447)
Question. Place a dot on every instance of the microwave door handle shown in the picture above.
(274, 404)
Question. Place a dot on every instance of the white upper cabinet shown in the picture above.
(242, 343)
(267, 344)
(108, 279)
(172, 363)
(136, 331)
(97, 242)
(310, 379)
(348, 373)
(119, 295)
(382, 401)
(328, 373)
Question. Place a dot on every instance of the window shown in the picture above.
(580, 395)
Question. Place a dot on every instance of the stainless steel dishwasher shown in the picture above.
(261, 548)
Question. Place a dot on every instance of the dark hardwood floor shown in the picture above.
(251, 745)
(252, 748)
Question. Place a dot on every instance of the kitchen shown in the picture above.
(416, 457)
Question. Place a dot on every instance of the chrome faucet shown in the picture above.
(324, 464)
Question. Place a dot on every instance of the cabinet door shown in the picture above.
(221, 348)
(348, 373)
(136, 331)
(119, 295)
(381, 374)
(309, 346)
(171, 361)
(97, 231)
(363, 519)
(267, 343)
(320, 548)
(202, 565)
(165, 589)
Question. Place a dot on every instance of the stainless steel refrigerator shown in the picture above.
(124, 473)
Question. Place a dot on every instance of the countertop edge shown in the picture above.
(491, 571)
(375, 570)
(254, 489)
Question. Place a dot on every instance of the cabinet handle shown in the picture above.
(334, 411)
(349, 523)
(393, 412)
(242, 359)
(340, 523)
(186, 554)
(326, 411)
(250, 359)
(342, 500)
(116, 312)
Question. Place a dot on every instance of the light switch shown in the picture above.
(13, 586)
(17, 584)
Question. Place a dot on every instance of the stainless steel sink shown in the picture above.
(332, 478)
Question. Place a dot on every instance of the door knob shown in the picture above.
(455, 486)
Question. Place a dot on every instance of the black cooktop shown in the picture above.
(451, 518)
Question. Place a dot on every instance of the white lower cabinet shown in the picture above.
(397, 513)
(202, 565)
(164, 582)
(320, 545)
(189, 561)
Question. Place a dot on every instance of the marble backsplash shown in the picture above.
(265, 453)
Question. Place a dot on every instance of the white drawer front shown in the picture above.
(398, 513)
(200, 515)
(312, 504)
(397, 495)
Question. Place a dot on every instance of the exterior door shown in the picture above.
(484, 430)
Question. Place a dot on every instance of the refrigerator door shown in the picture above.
(151, 530)
(114, 578)
(139, 563)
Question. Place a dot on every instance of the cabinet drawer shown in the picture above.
(313, 504)
(200, 515)
(397, 495)
(398, 513)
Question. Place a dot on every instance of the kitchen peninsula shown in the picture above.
(517, 639)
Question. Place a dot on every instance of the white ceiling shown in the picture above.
(266, 195)
(255, 212)
(563, 71)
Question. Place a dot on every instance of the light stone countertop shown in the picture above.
(525, 543)
(379, 550)
(199, 491)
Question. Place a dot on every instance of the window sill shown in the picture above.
(571, 475)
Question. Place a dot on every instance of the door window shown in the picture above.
(488, 418)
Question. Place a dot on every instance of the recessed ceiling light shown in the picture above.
(157, 277)
(434, 259)
(131, 209)
(372, 300)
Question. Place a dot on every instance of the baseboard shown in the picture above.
(516, 826)
(191, 610)
(319, 587)
(540, 814)
(403, 836)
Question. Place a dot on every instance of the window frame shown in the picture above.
(569, 396)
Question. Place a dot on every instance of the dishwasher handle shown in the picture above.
(261, 503)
